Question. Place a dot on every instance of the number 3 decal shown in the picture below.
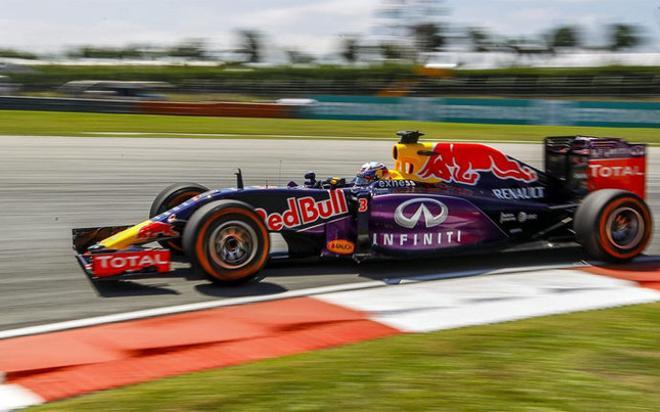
(364, 204)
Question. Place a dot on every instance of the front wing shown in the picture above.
(114, 264)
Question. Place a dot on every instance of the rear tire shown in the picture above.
(227, 241)
(170, 197)
(613, 225)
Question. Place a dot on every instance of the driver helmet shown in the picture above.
(371, 172)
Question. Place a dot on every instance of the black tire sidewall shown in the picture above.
(588, 218)
(160, 205)
(200, 217)
(171, 192)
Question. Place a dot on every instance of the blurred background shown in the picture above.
(325, 84)
(300, 54)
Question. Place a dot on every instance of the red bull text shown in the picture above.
(305, 210)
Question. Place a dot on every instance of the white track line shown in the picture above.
(169, 310)
(469, 301)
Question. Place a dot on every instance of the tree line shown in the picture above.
(421, 38)
(410, 29)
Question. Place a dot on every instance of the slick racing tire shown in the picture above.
(170, 197)
(613, 225)
(227, 241)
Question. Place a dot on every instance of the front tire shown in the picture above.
(169, 198)
(613, 225)
(228, 241)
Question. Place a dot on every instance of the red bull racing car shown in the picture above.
(439, 198)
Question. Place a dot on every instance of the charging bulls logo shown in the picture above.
(464, 163)
(155, 230)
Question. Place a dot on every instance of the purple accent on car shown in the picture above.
(410, 222)
(339, 229)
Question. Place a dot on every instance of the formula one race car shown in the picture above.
(440, 198)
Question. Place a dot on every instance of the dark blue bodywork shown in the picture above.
(365, 217)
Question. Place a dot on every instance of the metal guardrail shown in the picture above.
(505, 111)
(67, 105)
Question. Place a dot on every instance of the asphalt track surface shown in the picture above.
(49, 185)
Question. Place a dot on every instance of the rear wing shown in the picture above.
(585, 164)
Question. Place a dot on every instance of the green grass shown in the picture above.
(606, 360)
(79, 124)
